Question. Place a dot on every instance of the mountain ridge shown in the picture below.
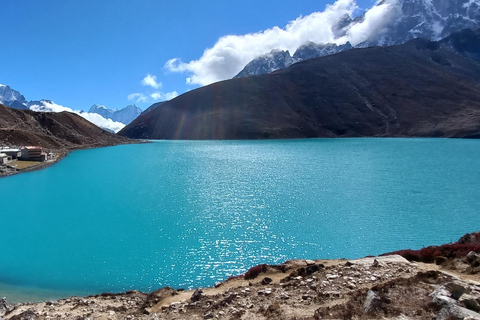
(411, 19)
(421, 88)
(53, 131)
(125, 115)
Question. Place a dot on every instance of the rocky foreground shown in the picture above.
(386, 287)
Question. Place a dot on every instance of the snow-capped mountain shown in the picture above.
(12, 98)
(313, 50)
(428, 19)
(276, 59)
(407, 20)
(125, 115)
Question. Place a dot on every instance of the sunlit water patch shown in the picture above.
(190, 213)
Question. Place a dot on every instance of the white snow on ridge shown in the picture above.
(98, 120)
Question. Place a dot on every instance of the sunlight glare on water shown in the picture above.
(190, 213)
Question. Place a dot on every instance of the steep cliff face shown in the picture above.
(421, 88)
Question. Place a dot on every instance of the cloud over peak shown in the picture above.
(98, 120)
(232, 52)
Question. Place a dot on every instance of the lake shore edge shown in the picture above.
(443, 279)
(59, 155)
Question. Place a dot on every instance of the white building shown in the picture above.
(3, 158)
(13, 153)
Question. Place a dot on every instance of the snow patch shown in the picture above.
(98, 120)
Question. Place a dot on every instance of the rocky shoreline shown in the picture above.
(385, 287)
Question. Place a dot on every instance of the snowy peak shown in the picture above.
(400, 21)
(312, 50)
(125, 115)
(275, 60)
(12, 98)
(101, 110)
(429, 19)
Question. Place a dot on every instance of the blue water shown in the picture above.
(190, 213)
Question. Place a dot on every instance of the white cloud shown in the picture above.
(160, 96)
(232, 52)
(98, 120)
(138, 97)
(374, 23)
(151, 81)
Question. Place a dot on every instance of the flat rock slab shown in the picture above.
(395, 258)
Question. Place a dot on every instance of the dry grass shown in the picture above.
(23, 164)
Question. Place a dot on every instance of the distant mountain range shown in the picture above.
(125, 115)
(428, 19)
(111, 120)
(421, 88)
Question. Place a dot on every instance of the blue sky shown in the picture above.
(78, 53)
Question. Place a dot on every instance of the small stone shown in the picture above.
(197, 295)
(373, 278)
(331, 276)
(266, 281)
(208, 315)
(284, 295)
(309, 262)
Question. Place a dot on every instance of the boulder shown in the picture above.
(27, 315)
(373, 302)
(457, 288)
(313, 268)
(458, 313)
(472, 256)
(470, 302)
(3, 306)
(382, 260)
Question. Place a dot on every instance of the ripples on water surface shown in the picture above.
(189, 213)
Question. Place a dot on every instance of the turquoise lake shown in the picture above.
(190, 213)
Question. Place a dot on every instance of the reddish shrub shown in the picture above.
(429, 254)
(253, 272)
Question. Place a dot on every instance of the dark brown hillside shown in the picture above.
(54, 131)
(422, 88)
